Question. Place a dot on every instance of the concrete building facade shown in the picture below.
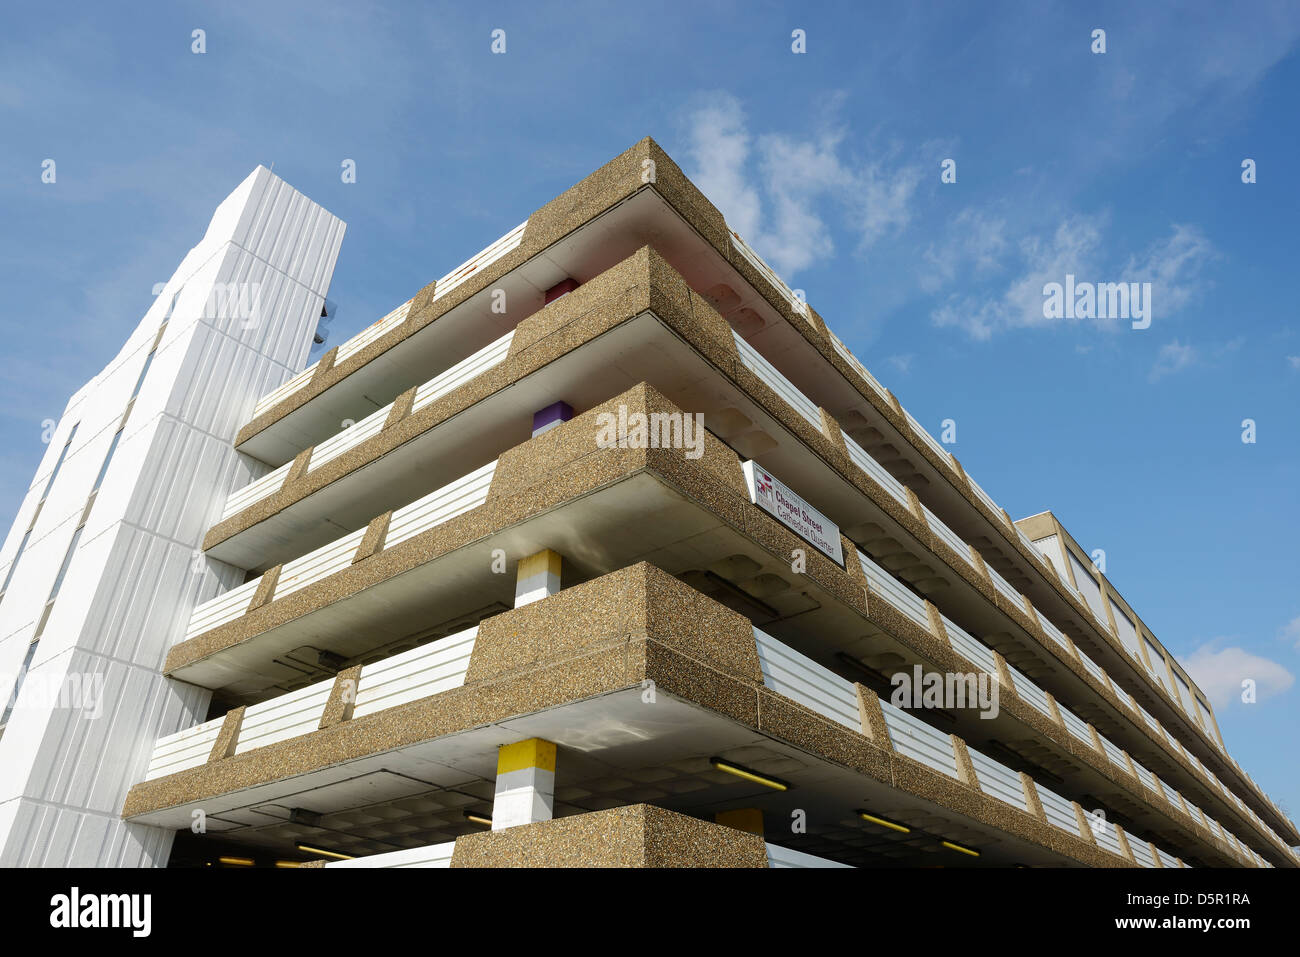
(602, 549)
(103, 567)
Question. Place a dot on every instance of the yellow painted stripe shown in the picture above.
(533, 753)
(544, 561)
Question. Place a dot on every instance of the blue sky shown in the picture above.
(1122, 166)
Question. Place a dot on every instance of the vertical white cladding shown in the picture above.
(241, 311)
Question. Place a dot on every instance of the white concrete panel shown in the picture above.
(1075, 725)
(89, 563)
(1029, 691)
(970, 648)
(951, 538)
(883, 584)
(1088, 587)
(149, 588)
(917, 740)
(137, 573)
(798, 677)
(291, 233)
(928, 439)
(877, 471)
(103, 731)
(1185, 698)
(785, 857)
(25, 599)
(376, 330)
(469, 368)
(1127, 630)
(1052, 631)
(998, 780)
(760, 366)
(184, 750)
(1050, 547)
(434, 855)
(13, 651)
(1141, 851)
(1156, 668)
(269, 312)
(1005, 587)
(1107, 838)
(288, 716)
(852, 360)
(1059, 811)
(180, 499)
(480, 261)
(422, 671)
(49, 459)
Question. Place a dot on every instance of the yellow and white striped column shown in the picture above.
(525, 790)
(538, 577)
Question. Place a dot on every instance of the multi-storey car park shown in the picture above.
(413, 606)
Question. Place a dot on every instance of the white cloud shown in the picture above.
(784, 193)
(1220, 672)
(718, 144)
(1173, 357)
(1293, 361)
(1172, 266)
(903, 363)
(975, 240)
(777, 190)
(1076, 247)
(796, 175)
(885, 199)
(1291, 632)
(1072, 248)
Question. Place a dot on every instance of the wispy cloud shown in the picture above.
(1173, 357)
(1291, 632)
(902, 363)
(797, 176)
(718, 143)
(1078, 246)
(1073, 247)
(884, 199)
(778, 190)
(1176, 355)
(1173, 266)
(1220, 672)
(975, 240)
